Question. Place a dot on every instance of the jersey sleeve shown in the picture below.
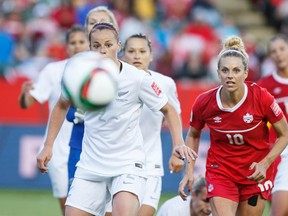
(271, 108)
(173, 97)
(64, 94)
(151, 94)
(196, 117)
(43, 87)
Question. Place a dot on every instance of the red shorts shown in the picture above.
(222, 186)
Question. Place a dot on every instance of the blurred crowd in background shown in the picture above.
(186, 34)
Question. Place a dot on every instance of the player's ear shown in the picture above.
(119, 46)
(245, 74)
(218, 73)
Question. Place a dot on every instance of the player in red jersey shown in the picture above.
(238, 171)
(277, 85)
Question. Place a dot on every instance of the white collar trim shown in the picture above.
(232, 109)
(279, 79)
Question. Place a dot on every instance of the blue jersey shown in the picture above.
(77, 130)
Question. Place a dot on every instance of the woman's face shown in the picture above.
(77, 42)
(96, 17)
(232, 73)
(105, 42)
(278, 50)
(137, 53)
(200, 204)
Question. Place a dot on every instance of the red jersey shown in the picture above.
(239, 135)
(278, 87)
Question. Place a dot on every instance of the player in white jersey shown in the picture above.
(137, 51)
(195, 205)
(113, 160)
(48, 88)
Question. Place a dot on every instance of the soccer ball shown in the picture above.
(90, 81)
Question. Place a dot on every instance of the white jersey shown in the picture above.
(48, 88)
(112, 142)
(175, 207)
(151, 124)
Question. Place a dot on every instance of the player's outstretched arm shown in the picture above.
(192, 141)
(180, 150)
(260, 168)
(56, 119)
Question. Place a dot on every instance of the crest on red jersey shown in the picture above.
(277, 90)
(210, 187)
(248, 118)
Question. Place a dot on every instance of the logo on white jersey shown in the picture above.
(210, 187)
(120, 94)
(156, 88)
(248, 118)
(217, 119)
(275, 108)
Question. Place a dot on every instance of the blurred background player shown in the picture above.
(112, 159)
(48, 88)
(76, 117)
(196, 204)
(137, 51)
(238, 170)
(99, 14)
(277, 85)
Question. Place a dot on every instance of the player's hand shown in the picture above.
(27, 86)
(79, 116)
(175, 164)
(188, 180)
(43, 158)
(184, 152)
(259, 174)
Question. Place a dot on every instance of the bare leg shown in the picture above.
(72, 211)
(62, 205)
(125, 204)
(146, 210)
(246, 209)
(279, 205)
(223, 207)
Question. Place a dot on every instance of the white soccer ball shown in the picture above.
(90, 81)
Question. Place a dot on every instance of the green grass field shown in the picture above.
(36, 203)
(33, 203)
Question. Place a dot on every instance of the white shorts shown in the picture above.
(153, 191)
(281, 179)
(92, 196)
(58, 170)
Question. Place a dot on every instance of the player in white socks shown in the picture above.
(112, 161)
(137, 51)
(48, 88)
